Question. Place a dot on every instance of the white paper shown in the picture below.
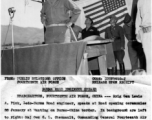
(75, 97)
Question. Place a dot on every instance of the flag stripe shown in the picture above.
(88, 6)
(94, 13)
(102, 31)
(104, 18)
(98, 14)
(92, 7)
(108, 15)
(100, 7)
(102, 25)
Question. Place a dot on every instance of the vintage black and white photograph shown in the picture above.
(79, 37)
(75, 60)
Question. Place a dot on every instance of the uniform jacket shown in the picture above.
(91, 31)
(57, 13)
(117, 32)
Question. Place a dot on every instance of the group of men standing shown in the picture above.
(55, 17)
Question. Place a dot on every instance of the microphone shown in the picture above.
(11, 10)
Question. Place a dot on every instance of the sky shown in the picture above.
(26, 15)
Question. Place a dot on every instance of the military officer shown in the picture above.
(116, 33)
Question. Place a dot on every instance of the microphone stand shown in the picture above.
(11, 22)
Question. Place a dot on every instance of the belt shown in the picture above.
(52, 25)
(146, 29)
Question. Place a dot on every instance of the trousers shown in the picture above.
(137, 46)
(57, 34)
(132, 56)
(119, 56)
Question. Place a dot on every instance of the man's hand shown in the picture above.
(69, 24)
(43, 20)
(112, 39)
(138, 37)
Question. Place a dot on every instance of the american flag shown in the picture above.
(101, 10)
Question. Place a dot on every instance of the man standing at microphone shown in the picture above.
(55, 17)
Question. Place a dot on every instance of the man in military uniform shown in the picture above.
(116, 33)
